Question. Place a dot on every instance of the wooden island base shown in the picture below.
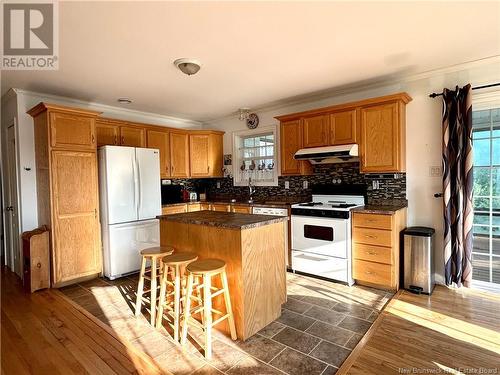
(256, 271)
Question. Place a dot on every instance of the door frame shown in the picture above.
(10, 258)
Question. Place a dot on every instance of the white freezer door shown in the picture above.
(148, 167)
(120, 186)
(124, 243)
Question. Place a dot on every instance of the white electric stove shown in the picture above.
(321, 232)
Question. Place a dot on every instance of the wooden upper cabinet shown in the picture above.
(205, 154)
(383, 138)
(76, 244)
(161, 141)
(316, 129)
(132, 136)
(179, 154)
(72, 130)
(290, 142)
(107, 134)
(343, 129)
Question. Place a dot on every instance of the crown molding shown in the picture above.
(365, 85)
(157, 119)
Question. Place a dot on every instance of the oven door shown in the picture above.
(325, 236)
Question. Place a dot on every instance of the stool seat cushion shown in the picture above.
(179, 258)
(157, 251)
(206, 266)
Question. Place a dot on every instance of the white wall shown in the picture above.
(423, 138)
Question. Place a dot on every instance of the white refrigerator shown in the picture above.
(130, 200)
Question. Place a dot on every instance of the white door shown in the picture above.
(11, 215)
(325, 236)
(124, 243)
(148, 166)
(118, 183)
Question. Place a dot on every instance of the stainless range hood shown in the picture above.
(329, 154)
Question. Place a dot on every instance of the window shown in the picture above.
(255, 157)
(486, 225)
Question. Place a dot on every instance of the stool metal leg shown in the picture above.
(187, 309)
(140, 288)
(207, 311)
(229, 309)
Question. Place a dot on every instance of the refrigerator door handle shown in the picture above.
(139, 187)
(136, 185)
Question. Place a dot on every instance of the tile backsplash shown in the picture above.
(390, 191)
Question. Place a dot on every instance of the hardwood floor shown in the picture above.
(44, 333)
(453, 331)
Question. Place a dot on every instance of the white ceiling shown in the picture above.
(252, 53)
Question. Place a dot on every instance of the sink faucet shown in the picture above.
(251, 189)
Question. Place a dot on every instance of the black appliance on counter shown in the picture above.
(171, 194)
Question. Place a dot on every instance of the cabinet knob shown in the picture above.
(38, 265)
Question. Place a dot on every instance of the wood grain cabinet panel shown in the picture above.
(290, 142)
(177, 209)
(107, 134)
(76, 224)
(132, 136)
(161, 141)
(242, 209)
(316, 131)
(192, 207)
(343, 128)
(221, 207)
(382, 146)
(371, 272)
(72, 130)
(179, 154)
(372, 253)
(199, 145)
(68, 196)
(373, 221)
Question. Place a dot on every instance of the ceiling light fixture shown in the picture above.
(188, 66)
(243, 113)
(124, 101)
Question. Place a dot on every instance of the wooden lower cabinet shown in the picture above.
(68, 196)
(193, 207)
(177, 209)
(221, 207)
(375, 248)
(242, 209)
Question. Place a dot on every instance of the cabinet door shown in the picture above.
(177, 209)
(179, 154)
(316, 131)
(133, 137)
(72, 131)
(76, 234)
(343, 128)
(107, 134)
(199, 146)
(290, 143)
(380, 138)
(161, 141)
(221, 207)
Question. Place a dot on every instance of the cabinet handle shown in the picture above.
(93, 139)
(208, 169)
(371, 253)
(116, 140)
(369, 273)
(95, 213)
(123, 139)
(370, 236)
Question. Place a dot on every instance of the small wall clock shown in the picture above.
(252, 121)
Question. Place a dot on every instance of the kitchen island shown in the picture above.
(253, 247)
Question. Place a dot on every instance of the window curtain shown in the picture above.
(457, 185)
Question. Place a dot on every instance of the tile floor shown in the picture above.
(320, 324)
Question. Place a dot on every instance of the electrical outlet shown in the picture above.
(287, 185)
(435, 171)
(305, 185)
(218, 184)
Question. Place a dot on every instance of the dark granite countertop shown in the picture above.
(230, 220)
(258, 203)
(379, 209)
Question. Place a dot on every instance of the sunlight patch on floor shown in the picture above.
(454, 328)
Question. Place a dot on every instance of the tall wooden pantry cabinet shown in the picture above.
(67, 188)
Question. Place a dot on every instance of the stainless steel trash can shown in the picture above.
(418, 244)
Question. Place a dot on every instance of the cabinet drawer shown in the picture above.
(205, 206)
(221, 207)
(372, 221)
(369, 236)
(371, 272)
(372, 253)
(194, 207)
(242, 209)
(174, 209)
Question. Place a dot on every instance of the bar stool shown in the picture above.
(173, 265)
(206, 269)
(153, 254)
